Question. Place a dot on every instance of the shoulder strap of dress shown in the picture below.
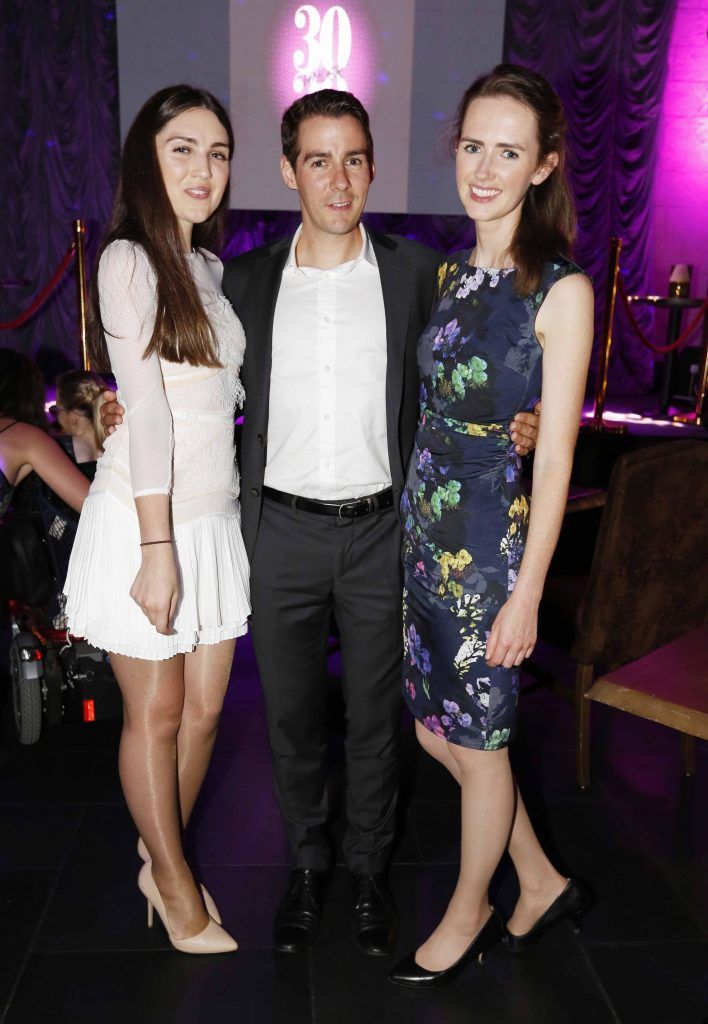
(554, 270)
(8, 426)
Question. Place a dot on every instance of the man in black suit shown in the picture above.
(332, 317)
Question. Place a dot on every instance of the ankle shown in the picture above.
(465, 921)
(540, 886)
(172, 880)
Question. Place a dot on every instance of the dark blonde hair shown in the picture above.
(547, 226)
(81, 391)
(143, 214)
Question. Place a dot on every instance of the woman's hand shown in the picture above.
(112, 412)
(156, 587)
(513, 635)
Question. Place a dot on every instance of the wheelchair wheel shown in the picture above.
(26, 697)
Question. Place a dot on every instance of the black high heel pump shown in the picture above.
(575, 900)
(412, 975)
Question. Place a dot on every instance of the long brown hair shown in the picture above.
(142, 213)
(81, 391)
(547, 226)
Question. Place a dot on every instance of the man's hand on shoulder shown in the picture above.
(112, 412)
(524, 430)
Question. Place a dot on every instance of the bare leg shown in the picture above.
(487, 804)
(153, 698)
(539, 881)
(206, 675)
(438, 748)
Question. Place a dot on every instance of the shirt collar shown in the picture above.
(366, 254)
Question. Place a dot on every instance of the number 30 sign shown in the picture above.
(327, 41)
(322, 45)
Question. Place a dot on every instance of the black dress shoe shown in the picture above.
(298, 916)
(573, 902)
(374, 914)
(412, 975)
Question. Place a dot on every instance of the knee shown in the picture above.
(202, 716)
(158, 720)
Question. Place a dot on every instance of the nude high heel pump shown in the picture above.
(212, 939)
(211, 907)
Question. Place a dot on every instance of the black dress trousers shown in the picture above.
(306, 566)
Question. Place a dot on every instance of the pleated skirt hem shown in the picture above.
(213, 604)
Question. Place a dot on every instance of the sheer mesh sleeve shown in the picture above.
(127, 289)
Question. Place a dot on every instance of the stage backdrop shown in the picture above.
(59, 125)
(407, 60)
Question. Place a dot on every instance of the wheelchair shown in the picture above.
(54, 677)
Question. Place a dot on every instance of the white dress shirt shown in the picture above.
(327, 420)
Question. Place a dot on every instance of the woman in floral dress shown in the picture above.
(513, 318)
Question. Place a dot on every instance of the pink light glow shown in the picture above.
(288, 38)
(681, 180)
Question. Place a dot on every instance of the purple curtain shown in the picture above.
(607, 60)
(249, 228)
(59, 147)
(59, 150)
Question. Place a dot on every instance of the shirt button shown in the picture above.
(326, 369)
(254, 492)
(326, 319)
(326, 415)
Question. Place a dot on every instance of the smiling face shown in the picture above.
(498, 160)
(332, 174)
(193, 154)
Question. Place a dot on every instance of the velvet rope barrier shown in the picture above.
(38, 302)
(659, 349)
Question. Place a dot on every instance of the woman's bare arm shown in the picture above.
(565, 327)
(28, 448)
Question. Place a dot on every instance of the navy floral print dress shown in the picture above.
(465, 513)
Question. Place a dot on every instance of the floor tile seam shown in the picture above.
(62, 803)
(598, 981)
(50, 896)
(311, 981)
(221, 866)
(127, 950)
(646, 850)
(641, 943)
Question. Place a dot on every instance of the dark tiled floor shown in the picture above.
(74, 947)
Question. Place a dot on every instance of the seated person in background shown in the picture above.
(78, 413)
(25, 445)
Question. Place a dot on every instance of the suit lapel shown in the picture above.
(395, 285)
(261, 303)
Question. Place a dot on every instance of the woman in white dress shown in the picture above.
(158, 575)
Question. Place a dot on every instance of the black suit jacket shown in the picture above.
(252, 282)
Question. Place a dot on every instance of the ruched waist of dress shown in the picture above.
(434, 422)
(447, 447)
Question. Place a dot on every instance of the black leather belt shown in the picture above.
(354, 509)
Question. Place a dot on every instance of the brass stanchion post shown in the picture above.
(596, 423)
(696, 416)
(80, 245)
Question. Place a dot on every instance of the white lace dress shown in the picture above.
(176, 439)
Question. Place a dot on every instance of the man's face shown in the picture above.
(332, 174)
